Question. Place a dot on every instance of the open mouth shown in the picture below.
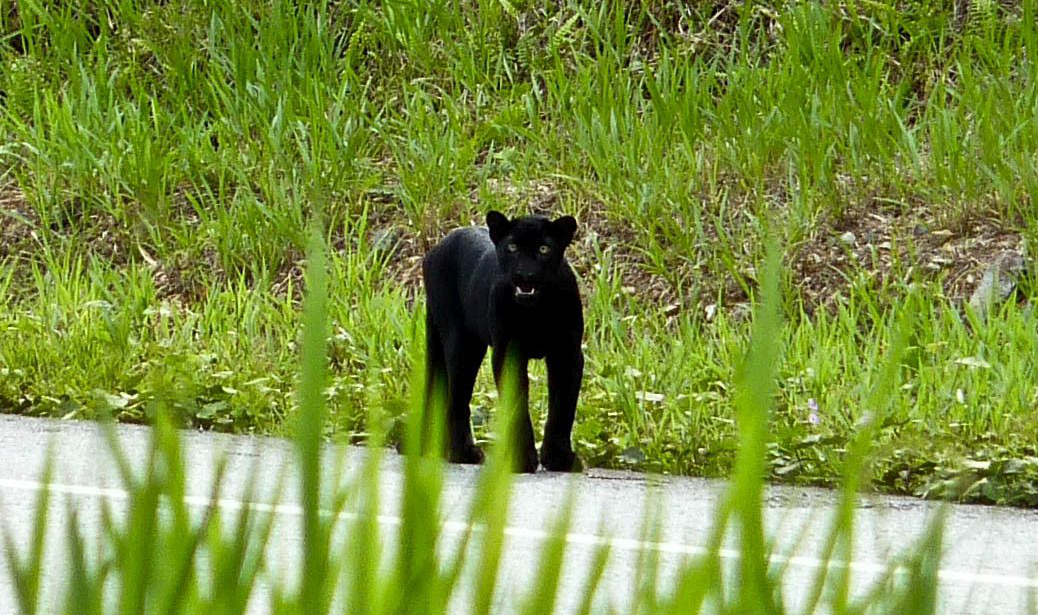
(525, 291)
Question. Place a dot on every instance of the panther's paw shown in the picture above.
(526, 461)
(560, 460)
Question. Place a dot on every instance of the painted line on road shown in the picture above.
(592, 540)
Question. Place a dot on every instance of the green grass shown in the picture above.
(157, 555)
(160, 164)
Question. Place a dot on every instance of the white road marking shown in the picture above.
(629, 544)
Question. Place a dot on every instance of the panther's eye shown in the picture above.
(512, 247)
(544, 249)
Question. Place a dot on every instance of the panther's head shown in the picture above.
(530, 251)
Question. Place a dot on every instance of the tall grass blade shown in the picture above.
(314, 592)
(839, 546)
(236, 553)
(27, 574)
(595, 572)
(493, 496)
(85, 593)
(543, 595)
(754, 397)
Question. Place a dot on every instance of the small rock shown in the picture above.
(480, 416)
(386, 241)
(649, 396)
(848, 238)
(632, 455)
(741, 312)
(999, 281)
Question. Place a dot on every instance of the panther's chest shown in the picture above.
(534, 343)
(533, 332)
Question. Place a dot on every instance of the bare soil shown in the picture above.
(889, 245)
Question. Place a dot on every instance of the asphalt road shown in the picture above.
(990, 563)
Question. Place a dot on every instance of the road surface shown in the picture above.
(990, 563)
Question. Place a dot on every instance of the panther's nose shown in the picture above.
(524, 275)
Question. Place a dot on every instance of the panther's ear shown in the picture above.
(564, 227)
(499, 225)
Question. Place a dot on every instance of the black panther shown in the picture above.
(507, 286)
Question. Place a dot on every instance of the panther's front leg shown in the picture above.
(525, 451)
(565, 372)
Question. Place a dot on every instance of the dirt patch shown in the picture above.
(882, 241)
(895, 247)
(885, 243)
(292, 276)
(18, 221)
(600, 232)
(100, 236)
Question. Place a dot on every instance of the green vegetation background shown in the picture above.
(160, 162)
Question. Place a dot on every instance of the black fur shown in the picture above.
(507, 286)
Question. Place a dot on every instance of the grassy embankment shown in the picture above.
(159, 164)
